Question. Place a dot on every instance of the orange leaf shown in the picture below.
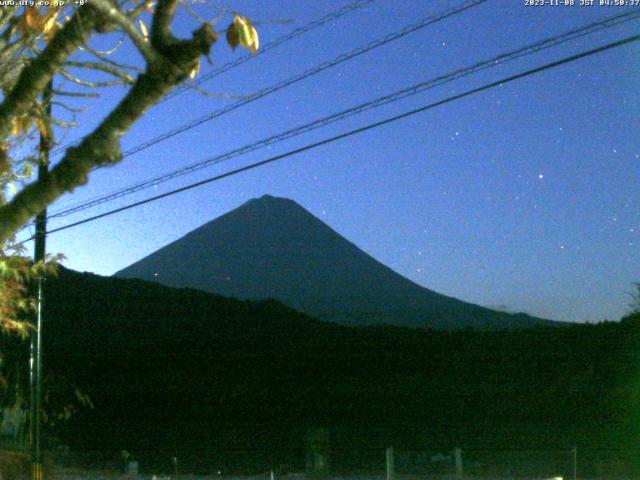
(32, 17)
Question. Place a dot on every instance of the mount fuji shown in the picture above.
(272, 247)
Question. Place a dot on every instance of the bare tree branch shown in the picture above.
(68, 108)
(64, 93)
(161, 37)
(64, 124)
(138, 9)
(35, 76)
(104, 57)
(104, 53)
(171, 65)
(103, 68)
(113, 13)
(85, 83)
(219, 95)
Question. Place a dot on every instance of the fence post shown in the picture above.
(458, 455)
(575, 463)
(390, 464)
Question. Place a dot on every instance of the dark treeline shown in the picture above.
(225, 384)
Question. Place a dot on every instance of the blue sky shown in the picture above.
(524, 197)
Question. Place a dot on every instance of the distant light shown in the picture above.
(540, 176)
(155, 274)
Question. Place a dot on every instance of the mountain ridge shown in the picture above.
(271, 247)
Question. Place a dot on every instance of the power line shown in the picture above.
(425, 22)
(265, 48)
(356, 131)
(276, 43)
(307, 73)
(380, 101)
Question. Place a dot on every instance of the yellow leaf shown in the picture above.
(49, 22)
(33, 22)
(53, 30)
(242, 32)
(143, 29)
(195, 70)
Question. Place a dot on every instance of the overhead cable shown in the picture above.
(353, 132)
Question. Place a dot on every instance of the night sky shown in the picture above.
(523, 198)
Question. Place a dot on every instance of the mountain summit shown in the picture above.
(271, 247)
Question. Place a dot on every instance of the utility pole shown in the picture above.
(457, 453)
(35, 363)
(391, 468)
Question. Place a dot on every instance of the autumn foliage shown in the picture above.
(43, 51)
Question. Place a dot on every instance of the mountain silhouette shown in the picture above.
(272, 247)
